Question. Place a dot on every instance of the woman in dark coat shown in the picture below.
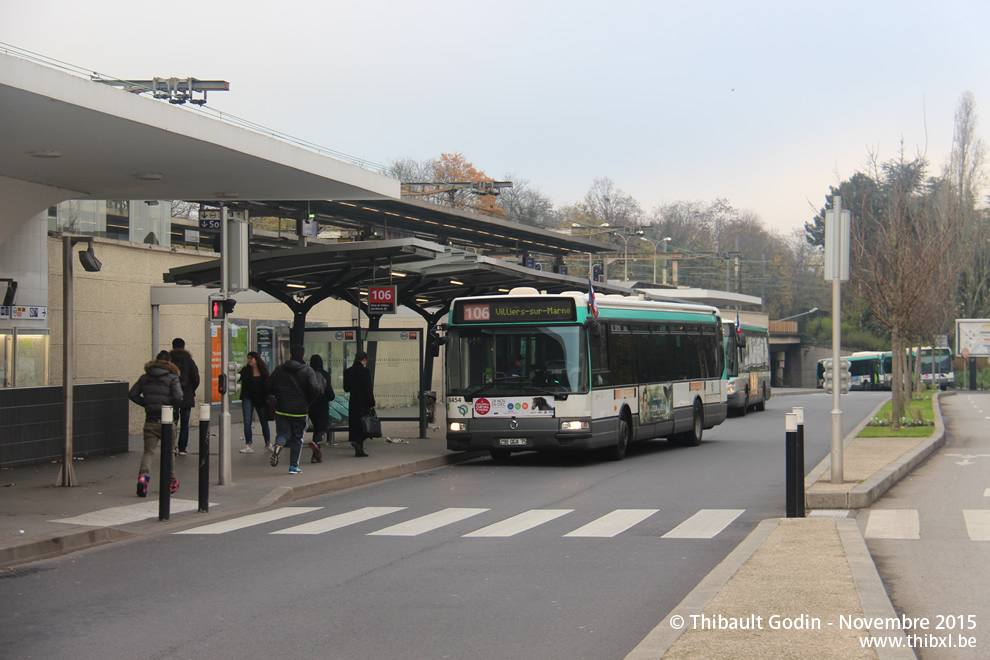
(252, 380)
(319, 412)
(357, 381)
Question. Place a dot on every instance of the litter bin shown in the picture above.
(430, 402)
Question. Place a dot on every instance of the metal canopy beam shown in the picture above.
(432, 275)
(431, 222)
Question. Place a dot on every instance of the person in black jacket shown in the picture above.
(253, 396)
(319, 412)
(189, 378)
(357, 381)
(158, 386)
(295, 388)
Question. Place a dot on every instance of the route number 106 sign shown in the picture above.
(381, 299)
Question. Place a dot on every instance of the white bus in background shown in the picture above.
(747, 360)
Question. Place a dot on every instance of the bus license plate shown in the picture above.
(512, 442)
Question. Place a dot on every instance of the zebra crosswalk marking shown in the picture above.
(977, 524)
(612, 524)
(519, 523)
(340, 520)
(428, 523)
(893, 524)
(250, 520)
(705, 524)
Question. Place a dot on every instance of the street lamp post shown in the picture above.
(625, 257)
(655, 245)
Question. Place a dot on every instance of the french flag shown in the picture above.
(592, 305)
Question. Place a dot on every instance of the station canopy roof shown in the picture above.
(427, 275)
(390, 218)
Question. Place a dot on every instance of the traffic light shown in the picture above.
(842, 372)
(597, 273)
(219, 308)
(844, 375)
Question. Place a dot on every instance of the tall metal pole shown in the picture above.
(836, 415)
(67, 475)
(223, 445)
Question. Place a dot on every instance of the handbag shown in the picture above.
(371, 425)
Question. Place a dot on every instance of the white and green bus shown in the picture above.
(747, 362)
(528, 371)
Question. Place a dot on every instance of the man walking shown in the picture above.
(295, 388)
(158, 386)
(189, 379)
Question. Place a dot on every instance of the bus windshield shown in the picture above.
(513, 360)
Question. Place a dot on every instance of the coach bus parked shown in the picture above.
(747, 363)
(575, 371)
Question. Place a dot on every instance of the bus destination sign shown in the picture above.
(515, 310)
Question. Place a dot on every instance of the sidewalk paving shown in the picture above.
(817, 566)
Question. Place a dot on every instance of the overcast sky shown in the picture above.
(762, 103)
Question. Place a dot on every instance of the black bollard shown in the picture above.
(204, 458)
(799, 464)
(165, 473)
(790, 460)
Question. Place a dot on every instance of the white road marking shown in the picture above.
(121, 515)
(893, 524)
(520, 523)
(428, 523)
(705, 524)
(341, 520)
(977, 524)
(250, 520)
(612, 524)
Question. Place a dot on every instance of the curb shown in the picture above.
(868, 492)
(54, 546)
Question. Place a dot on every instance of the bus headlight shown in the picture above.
(575, 425)
(457, 427)
(732, 387)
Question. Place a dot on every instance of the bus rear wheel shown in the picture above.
(693, 437)
(762, 405)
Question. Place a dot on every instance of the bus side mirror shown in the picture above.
(594, 328)
(741, 339)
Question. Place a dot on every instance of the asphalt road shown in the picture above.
(930, 536)
(564, 557)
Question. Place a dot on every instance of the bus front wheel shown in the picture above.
(618, 451)
(500, 456)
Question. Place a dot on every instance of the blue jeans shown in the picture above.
(184, 428)
(247, 408)
(289, 431)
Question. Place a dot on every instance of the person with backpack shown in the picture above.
(319, 412)
(189, 379)
(357, 381)
(295, 388)
(157, 387)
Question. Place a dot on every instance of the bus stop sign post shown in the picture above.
(836, 264)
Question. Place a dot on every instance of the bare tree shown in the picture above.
(606, 203)
(904, 231)
(525, 204)
(967, 176)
